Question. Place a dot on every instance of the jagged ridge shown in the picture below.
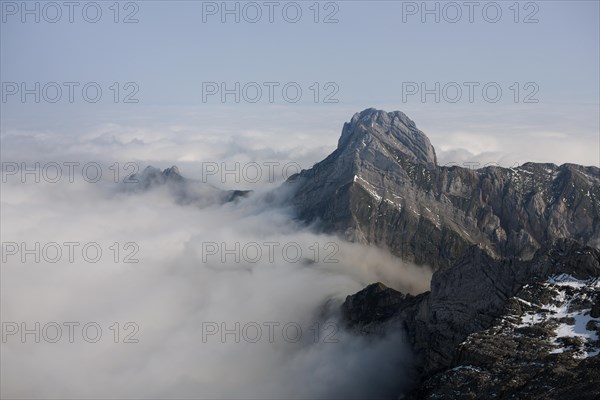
(382, 186)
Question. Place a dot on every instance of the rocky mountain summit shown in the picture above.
(152, 176)
(382, 186)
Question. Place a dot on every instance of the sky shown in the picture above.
(517, 82)
(368, 54)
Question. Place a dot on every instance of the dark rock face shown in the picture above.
(492, 328)
(151, 177)
(543, 345)
(543, 378)
(375, 304)
(382, 186)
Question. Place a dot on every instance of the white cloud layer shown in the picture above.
(173, 291)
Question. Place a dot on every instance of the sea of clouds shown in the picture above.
(168, 293)
(183, 292)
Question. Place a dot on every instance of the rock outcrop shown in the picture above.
(494, 328)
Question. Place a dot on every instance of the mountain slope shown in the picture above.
(382, 185)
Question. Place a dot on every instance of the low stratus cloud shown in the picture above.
(175, 291)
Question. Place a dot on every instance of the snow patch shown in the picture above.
(363, 183)
(552, 312)
(467, 367)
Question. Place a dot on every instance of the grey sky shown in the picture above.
(368, 57)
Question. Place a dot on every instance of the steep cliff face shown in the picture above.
(493, 328)
(382, 186)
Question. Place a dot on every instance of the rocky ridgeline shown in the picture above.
(382, 186)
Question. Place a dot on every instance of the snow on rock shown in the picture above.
(574, 325)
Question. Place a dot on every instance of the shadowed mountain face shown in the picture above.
(498, 328)
(382, 186)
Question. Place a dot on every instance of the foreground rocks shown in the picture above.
(498, 328)
(543, 345)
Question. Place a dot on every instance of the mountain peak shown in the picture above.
(394, 130)
(152, 176)
(381, 186)
(172, 173)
